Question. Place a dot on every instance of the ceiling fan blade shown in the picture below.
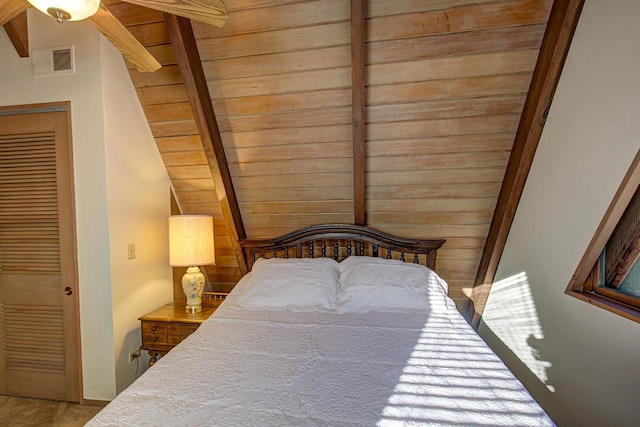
(123, 40)
(212, 12)
(9, 9)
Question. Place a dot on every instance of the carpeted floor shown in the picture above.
(21, 412)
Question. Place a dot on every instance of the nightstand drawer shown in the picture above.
(154, 339)
(179, 331)
(186, 330)
(174, 340)
(155, 328)
(182, 329)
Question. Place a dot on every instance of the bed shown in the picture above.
(334, 326)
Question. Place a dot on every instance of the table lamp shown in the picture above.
(191, 245)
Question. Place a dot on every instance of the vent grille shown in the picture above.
(49, 62)
(62, 60)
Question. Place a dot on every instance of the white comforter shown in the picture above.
(268, 368)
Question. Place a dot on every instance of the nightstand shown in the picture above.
(166, 327)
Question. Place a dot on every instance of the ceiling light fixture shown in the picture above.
(67, 10)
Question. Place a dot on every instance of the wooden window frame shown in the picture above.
(584, 282)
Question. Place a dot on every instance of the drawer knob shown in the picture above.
(154, 339)
(153, 328)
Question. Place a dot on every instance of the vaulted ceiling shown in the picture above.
(398, 114)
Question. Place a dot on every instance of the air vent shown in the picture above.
(52, 61)
(62, 60)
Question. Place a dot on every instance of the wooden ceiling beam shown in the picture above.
(12, 8)
(562, 23)
(358, 109)
(18, 33)
(184, 43)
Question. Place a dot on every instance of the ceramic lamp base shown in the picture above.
(193, 285)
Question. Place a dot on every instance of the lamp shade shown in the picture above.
(77, 9)
(191, 240)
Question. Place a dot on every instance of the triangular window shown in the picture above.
(609, 274)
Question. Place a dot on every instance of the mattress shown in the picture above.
(267, 367)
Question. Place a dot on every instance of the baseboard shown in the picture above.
(89, 402)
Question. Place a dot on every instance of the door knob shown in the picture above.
(68, 290)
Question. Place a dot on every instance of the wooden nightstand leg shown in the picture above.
(153, 357)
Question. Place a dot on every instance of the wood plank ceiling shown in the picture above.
(446, 82)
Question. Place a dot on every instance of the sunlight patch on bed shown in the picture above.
(450, 373)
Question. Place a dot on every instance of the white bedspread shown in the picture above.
(267, 368)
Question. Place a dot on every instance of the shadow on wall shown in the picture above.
(130, 371)
(512, 318)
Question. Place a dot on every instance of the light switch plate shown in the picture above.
(131, 251)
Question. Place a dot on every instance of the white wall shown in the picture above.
(138, 206)
(579, 361)
(99, 328)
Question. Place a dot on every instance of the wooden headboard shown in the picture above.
(339, 241)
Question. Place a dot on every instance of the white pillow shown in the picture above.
(377, 284)
(289, 284)
(381, 271)
(316, 263)
(356, 260)
(368, 260)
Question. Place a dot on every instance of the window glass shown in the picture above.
(619, 266)
(631, 284)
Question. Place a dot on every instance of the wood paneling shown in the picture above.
(454, 191)
(330, 78)
(278, 63)
(410, 206)
(278, 16)
(446, 87)
(309, 181)
(297, 194)
(291, 135)
(479, 125)
(445, 109)
(162, 94)
(287, 167)
(458, 19)
(494, 40)
(304, 118)
(265, 104)
(443, 86)
(398, 7)
(444, 144)
(179, 143)
(277, 153)
(453, 68)
(284, 40)
(456, 89)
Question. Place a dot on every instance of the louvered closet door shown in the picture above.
(39, 353)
